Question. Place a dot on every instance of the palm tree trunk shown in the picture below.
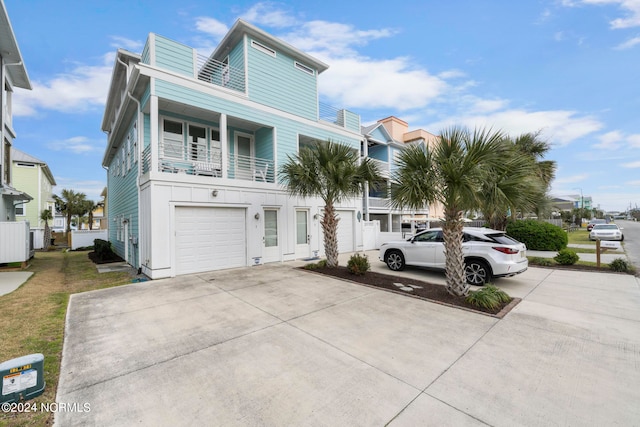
(47, 236)
(329, 225)
(454, 259)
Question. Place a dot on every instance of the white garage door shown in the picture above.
(209, 239)
(345, 231)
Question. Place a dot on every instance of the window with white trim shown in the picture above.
(129, 152)
(21, 210)
(135, 142)
(300, 66)
(262, 48)
(172, 139)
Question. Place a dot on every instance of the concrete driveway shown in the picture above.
(272, 345)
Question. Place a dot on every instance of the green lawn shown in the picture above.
(33, 316)
(580, 237)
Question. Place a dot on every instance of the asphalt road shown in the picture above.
(631, 241)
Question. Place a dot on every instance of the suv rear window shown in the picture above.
(503, 239)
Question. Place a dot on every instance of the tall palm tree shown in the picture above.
(451, 173)
(333, 172)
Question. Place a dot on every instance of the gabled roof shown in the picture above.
(21, 156)
(369, 131)
(10, 52)
(240, 28)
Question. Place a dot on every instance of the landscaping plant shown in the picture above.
(358, 264)
(621, 265)
(566, 257)
(538, 235)
(490, 297)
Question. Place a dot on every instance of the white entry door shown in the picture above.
(271, 237)
(345, 232)
(302, 233)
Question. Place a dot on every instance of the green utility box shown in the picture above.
(22, 378)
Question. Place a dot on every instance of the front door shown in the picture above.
(302, 233)
(244, 156)
(271, 241)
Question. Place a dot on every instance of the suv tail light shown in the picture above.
(508, 251)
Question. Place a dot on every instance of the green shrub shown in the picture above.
(489, 297)
(621, 265)
(545, 262)
(316, 265)
(566, 257)
(103, 250)
(358, 264)
(322, 263)
(538, 235)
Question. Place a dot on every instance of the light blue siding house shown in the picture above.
(194, 147)
(382, 142)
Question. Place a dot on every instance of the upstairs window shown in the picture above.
(173, 139)
(197, 143)
(20, 210)
(262, 48)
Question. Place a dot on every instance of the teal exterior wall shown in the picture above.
(122, 194)
(378, 135)
(287, 129)
(174, 56)
(278, 83)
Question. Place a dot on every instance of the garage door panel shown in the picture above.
(209, 239)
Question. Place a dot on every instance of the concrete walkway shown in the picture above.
(12, 280)
(272, 345)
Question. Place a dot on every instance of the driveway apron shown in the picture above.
(274, 345)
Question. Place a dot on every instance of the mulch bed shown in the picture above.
(427, 291)
(96, 260)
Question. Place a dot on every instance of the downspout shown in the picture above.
(139, 158)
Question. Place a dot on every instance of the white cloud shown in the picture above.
(367, 83)
(559, 127)
(268, 15)
(635, 183)
(123, 42)
(332, 39)
(631, 165)
(212, 27)
(82, 89)
(634, 140)
(571, 179)
(91, 188)
(78, 145)
(628, 44)
(630, 7)
(610, 141)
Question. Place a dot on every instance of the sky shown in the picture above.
(568, 69)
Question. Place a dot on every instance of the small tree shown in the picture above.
(46, 215)
(334, 173)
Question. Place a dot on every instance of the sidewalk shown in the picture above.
(12, 280)
(605, 257)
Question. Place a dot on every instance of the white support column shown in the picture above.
(224, 145)
(154, 143)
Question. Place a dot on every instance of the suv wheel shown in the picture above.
(394, 260)
(477, 272)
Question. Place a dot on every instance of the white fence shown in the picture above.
(15, 242)
(84, 238)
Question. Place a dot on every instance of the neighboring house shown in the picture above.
(383, 141)
(194, 147)
(12, 74)
(16, 244)
(34, 177)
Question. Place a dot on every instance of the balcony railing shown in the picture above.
(383, 167)
(219, 73)
(179, 161)
(251, 168)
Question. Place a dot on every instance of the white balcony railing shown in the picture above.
(219, 73)
(383, 167)
(251, 168)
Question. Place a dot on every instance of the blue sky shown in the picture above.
(566, 68)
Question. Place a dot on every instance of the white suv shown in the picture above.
(487, 253)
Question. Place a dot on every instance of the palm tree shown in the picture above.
(89, 207)
(46, 215)
(333, 172)
(513, 184)
(451, 173)
(70, 203)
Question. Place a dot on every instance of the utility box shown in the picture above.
(22, 378)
